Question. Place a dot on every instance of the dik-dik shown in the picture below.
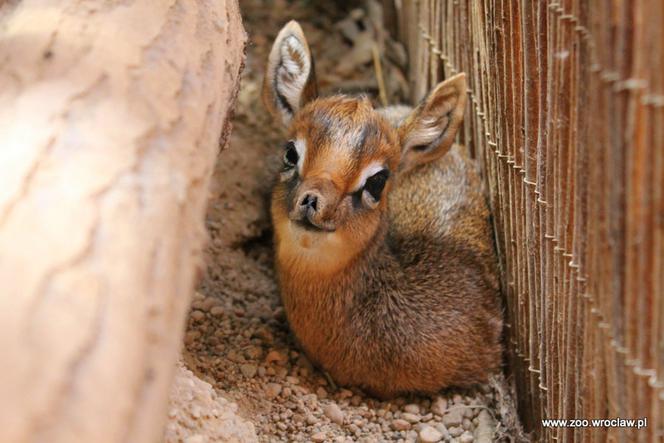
(384, 250)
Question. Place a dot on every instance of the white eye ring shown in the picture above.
(368, 172)
(368, 200)
(291, 149)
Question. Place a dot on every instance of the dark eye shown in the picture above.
(420, 148)
(376, 183)
(291, 156)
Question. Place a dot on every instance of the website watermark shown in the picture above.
(638, 423)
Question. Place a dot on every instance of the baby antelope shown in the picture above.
(384, 249)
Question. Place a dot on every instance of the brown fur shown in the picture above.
(402, 297)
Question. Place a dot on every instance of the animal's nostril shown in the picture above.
(310, 201)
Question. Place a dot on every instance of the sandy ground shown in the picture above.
(255, 384)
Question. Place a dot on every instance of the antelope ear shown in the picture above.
(428, 132)
(290, 78)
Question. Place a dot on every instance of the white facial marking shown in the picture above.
(366, 173)
(350, 138)
(301, 149)
(344, 135)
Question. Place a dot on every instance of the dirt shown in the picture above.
(252, 382)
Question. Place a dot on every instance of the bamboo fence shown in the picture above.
(566, 117)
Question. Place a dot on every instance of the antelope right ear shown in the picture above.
(290, 78)
(428, 133)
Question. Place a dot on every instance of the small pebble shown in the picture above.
(275, 356)
(442, 429)
(419, 426)
(209, 302)
(400, 425)
(272, 390)
(412, 408)
(412, 418)
(217, 311)
(192, 336)
(466, 437)
(453, 418)
(321, 393)
(318, 437)
(334, 413)
(455, 431)
(429, 434)
(439, 406)
(253, 352)
(198, 315)
(248, 370)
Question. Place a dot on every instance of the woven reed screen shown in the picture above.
(566, 117)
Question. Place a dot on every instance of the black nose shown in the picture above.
(310, 201)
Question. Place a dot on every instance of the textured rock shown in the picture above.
(199, 415)
(111, 118)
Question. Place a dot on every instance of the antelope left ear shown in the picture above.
(290, 78)
(428, 133)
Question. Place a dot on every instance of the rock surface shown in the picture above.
(199, 415)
